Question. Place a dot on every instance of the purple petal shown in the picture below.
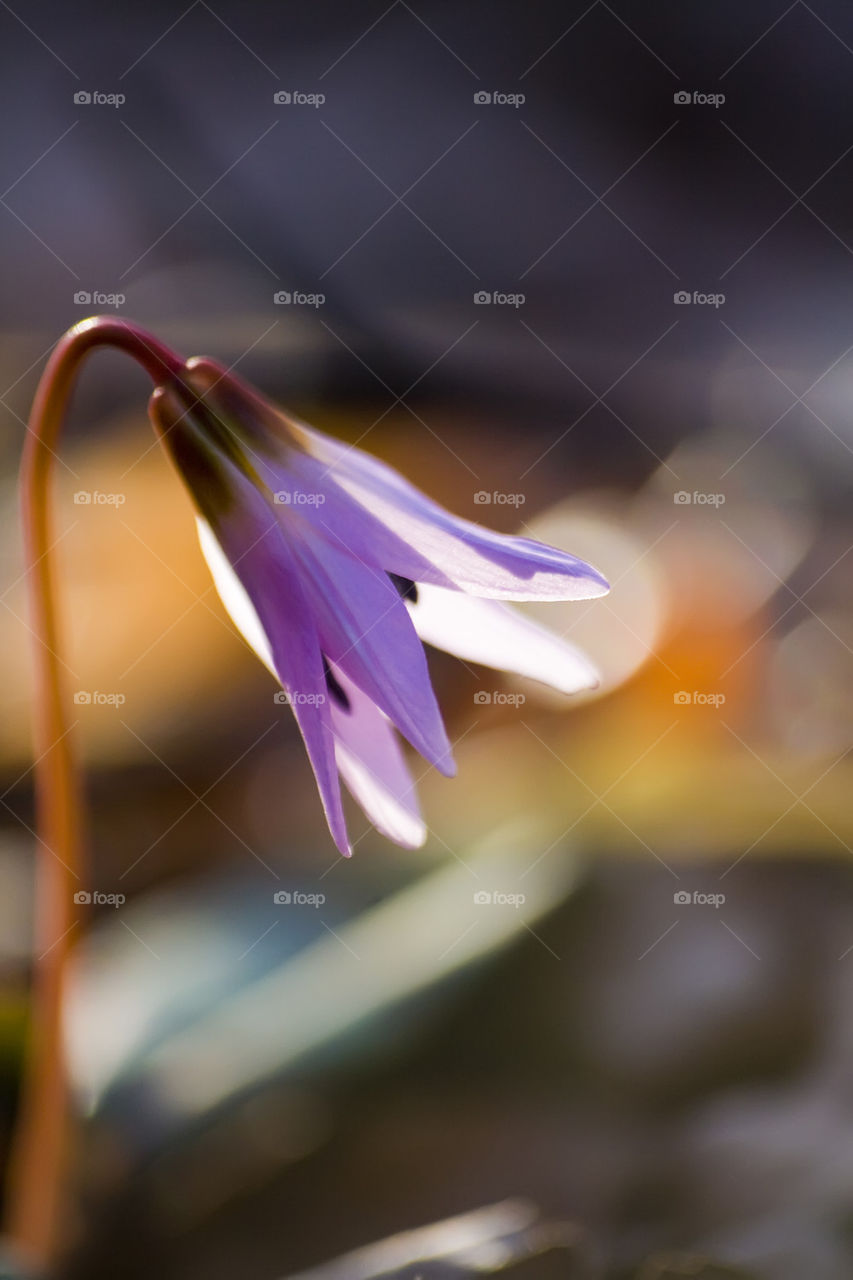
(368, 508)
(254, 549)
(365, 630)
(442, 548)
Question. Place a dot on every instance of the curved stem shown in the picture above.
(37, 1164)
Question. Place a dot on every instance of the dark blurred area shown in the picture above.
(581, 271)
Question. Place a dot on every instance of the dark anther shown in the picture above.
(334, 688)
(405, 586)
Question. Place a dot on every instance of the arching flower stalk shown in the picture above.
(336, 570)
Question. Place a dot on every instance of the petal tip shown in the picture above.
(447, 766)
(581, 682)
(595, 584)
(416, 840)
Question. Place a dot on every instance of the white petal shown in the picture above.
(382, 807)
(372, 765)
(496, 635)
(234, 596)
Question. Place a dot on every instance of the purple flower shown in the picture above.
(336, 569)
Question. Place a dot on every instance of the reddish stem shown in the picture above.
(38, 1159)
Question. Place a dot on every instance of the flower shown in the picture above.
(336, 570)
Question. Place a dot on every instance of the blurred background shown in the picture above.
(581, 270)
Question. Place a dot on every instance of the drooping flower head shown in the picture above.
(336, 570)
